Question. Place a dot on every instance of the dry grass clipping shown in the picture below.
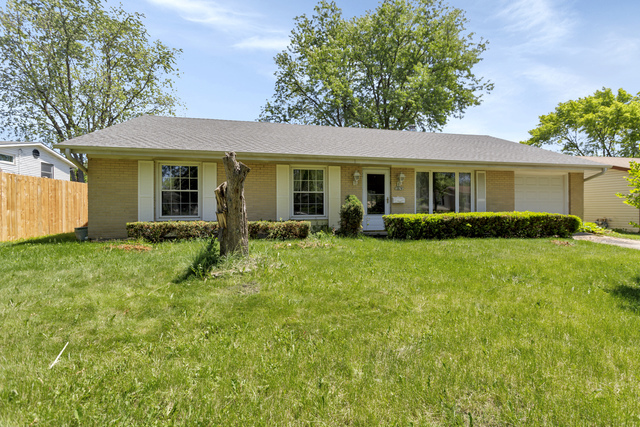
(129, 247)
(562, 243)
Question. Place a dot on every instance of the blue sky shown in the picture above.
(541, 52)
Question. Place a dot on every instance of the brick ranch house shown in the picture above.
(167, 168)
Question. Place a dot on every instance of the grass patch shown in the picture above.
(332, 331)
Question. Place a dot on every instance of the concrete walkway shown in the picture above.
(624, 243)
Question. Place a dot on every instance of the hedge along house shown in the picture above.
(167, 168)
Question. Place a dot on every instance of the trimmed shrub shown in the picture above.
(480, 224)
(279, 230)
(351, 214)
(158, 231)
(162, 230)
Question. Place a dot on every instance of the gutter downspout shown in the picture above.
(67, 153)
(586, 179)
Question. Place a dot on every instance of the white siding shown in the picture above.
(600, 200)
(26, 164)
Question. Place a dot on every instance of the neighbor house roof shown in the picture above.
(620, 163)
(40, 146)
(176, 136)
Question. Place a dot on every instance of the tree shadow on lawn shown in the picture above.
(630, 295)
(44, 240)
(207, 258)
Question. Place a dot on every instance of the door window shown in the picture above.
(375, 194)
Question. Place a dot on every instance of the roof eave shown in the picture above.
(301, 158)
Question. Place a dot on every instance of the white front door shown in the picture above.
(376, 189)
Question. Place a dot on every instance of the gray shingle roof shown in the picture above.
(619, 162)
(208, 135)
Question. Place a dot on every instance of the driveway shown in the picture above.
(624, 243)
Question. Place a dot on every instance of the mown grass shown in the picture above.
(330, 331)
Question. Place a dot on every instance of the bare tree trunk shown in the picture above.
(233, 227)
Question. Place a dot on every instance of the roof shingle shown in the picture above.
(209, 135)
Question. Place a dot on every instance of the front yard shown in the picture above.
(327, 331)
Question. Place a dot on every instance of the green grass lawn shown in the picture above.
(326, 332)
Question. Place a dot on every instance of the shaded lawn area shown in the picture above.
(330, 331)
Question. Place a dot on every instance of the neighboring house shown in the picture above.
(600, 200)
(167, 168)
(33, 159)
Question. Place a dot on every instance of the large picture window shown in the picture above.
(179, 191)
(442, 192)
(308, 192)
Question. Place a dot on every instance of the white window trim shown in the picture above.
(53, 169)
(158, 192)
(325, 205)
(457, 171)
(5, 162)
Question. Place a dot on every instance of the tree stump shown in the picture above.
(233, 228)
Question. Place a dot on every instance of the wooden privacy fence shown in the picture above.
(32, 206)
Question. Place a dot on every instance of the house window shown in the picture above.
(308, 192)
(46, 170)
(6, 158)
(422, 192)
(179, 192)
(442, 192)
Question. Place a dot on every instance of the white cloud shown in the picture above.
(207, 12)
(560, 84)
(236, 23)
(543, 23)
(263, 43)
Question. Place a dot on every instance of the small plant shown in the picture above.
(591, 227)
(351, 214)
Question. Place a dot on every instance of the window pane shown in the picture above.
(375, 194)
(46, 170)
(308, 197)
(465, 192)
(422, 192)
(444, 192)
(179, 193)
(6, 158)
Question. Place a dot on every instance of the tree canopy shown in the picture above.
(408, 62)
(70, 67)
(603, 124)
(633, 198)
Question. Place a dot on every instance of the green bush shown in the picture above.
(591, 227)
(351, 214)
(279, 230)
(181, 230)
(480, 224)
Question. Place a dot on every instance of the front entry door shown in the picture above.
(376, 198)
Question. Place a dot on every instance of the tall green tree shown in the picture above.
(603, 124)
(633, 198)
(408, 62)
(70, 67)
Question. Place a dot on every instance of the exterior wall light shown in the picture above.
(356, 177)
